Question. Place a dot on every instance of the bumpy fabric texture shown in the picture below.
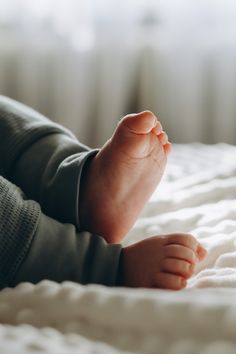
(18, 221)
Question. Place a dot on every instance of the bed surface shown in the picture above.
(197, 195)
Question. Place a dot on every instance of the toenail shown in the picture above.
(188, 268)
(191, 267)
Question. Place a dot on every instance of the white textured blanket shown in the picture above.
(197, 195)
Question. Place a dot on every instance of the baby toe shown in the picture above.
(140, 123)
(167, 148)
(201, 252)
(186, 240)
(178, 267)
(180, 252)
(169, 281)
(163, 138)
(157, 129)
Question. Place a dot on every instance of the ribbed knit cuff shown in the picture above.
(18, 221)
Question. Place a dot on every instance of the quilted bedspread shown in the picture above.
(197, 195)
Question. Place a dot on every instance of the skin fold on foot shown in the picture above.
(120, 179)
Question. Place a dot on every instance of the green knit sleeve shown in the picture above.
(19, 219)
(34, 246)
(43, 158)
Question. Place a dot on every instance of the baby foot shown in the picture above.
(122, 176)
(160, 262)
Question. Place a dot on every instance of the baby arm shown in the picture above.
(160, 262)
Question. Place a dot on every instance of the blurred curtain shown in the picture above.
(85, 63)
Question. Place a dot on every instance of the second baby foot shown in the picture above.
(164, 261)
(120, 179)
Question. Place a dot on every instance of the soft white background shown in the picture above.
(86, 63)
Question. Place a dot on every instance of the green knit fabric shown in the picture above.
(43, 158)
(18, 221)
(46, 161)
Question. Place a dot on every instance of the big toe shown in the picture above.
(141, 123)
(135, 136)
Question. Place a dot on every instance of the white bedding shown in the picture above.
(197, 195)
